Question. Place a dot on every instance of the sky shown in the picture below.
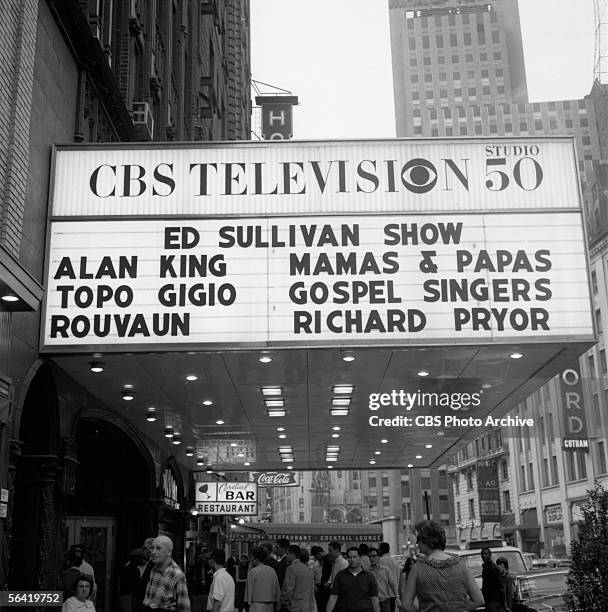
(335, 56)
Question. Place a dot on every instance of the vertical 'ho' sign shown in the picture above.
(575, 434)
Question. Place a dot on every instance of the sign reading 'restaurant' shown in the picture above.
(383, 242)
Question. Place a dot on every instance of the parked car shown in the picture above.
(513, 555)
(551, 561)
(543, 590)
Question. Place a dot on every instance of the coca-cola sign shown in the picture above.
(275, 479)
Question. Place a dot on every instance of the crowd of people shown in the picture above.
(283, 577)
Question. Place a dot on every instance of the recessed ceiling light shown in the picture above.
(332, 448)
(441, 433)
(274, 403)
(219, 422)
(331, 458)
(335, 435)
(341, 389)
(340, 401)
(151, 414)
(189, 452)
(128, 386)
(418, 456)
(422, 373)
(177, 439)
(285, 449)
(372, 462)
(8, 297)
(428, 446)
(336, 427)
(200, 462)
(330, 467)
(128, 396)
(265, 359)
(338, 411)
(282, 436)
(191, 377)
(348, 358)
(280, 429)
(287, 459)
(209, 470)
(207, 402)
(97, 366)
(384, 441)
(409, 465)
(377, 452)
(276, 412)
(247, 463)
(168, 431)
(290, 467)
(240, 454)
(233, 444)
(272, 391)
(486, 386)
(516, 355)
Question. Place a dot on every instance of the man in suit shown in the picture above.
(281, 551)
(298, 592)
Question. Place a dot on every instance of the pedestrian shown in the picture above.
(221, 595)
(262, 590)
(323, 590)
(492, 583)
(440, 581)
(316, 564)
(281, 551)
(298, 591)
(407, 567)
(387, 586)
(140, 589)
(364, 556)
(354, 589)
(129, 579)
(79, 565)
(270, 560)
(508, 577)
(241, 571)
(339, 563)
(387, 561)
(80, 602)
(166, 589)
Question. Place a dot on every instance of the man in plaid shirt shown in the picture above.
(166, 590)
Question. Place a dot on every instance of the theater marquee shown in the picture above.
(383, 242)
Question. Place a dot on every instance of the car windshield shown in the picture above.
(516, 563)
(535, 586)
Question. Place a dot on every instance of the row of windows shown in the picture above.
(453, 40)
(486, 90)
(471, 74)
(462, 16)
(456, 59)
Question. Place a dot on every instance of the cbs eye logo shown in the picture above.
(419, 175)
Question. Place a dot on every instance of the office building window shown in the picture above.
(497, 55)
(463, 131)
(455, 59)
(372, 482)
(443, 93)
(568, 123)
(425, 42)
(478, 130)
(458, 92)
(506, 501)
(413, 62)
(442, 76)
(440, 59)
(428, 78)
(545, 472)
(538, 124)
(584, 122)
(523, 477)
(508, 127)
(591, 364)
(449, 131)
(429, 95)
(554, 471)
(499, 72)
(493, 128)
(439, 41)
(301, 517)
(468, 57)
(581, 464)
(471, 508)
(472, 91)
(523, 126)
(483, 57)
(453, 43)
(426, 61)
(469, 480)
(500, 89)
(384, 481)
(553, 124)
(458, 513)
(505, 470)
(531, 475)
(412, 43)
(434, 132)
(447, 113)
(570, 467)
(601, 457)
(414, 78)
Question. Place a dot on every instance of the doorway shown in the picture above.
(96, 534)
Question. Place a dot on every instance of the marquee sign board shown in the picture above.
(382, 242)
(229, 498)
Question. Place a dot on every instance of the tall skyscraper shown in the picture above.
(450, 56)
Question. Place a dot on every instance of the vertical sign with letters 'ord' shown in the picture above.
(489, 494)
(277, 116)
(575, 436)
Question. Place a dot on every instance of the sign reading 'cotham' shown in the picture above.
(211, 279)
